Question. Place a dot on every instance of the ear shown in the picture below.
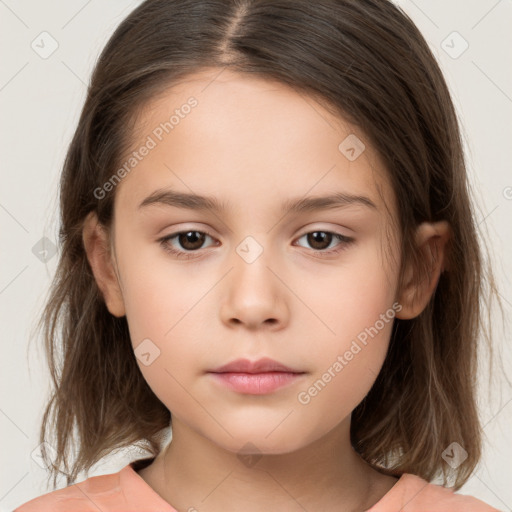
(96, 243)
(431, 240)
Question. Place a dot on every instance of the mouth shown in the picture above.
(262, 365)
(256, 378)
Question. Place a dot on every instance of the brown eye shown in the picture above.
(320, 241)
(185, 244)
(191, 240)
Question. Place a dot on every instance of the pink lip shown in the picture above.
(255, 378)
(260, 366)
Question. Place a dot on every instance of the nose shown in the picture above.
(254, 295)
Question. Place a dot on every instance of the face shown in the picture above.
(311, 288)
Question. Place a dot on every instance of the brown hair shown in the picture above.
(365, 60)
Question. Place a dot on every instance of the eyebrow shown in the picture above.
(168, 197)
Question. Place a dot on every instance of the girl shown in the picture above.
(267, 245)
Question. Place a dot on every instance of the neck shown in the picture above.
(193, 473)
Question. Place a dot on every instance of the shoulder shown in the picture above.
(414, 494)
(124, 491)
(90, 495)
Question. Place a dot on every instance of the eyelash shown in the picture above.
(164, 242)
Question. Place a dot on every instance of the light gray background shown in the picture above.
(40, 101)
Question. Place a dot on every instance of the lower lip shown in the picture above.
(257, 383)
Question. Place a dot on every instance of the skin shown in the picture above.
(253, 143)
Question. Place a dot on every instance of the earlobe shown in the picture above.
(431, 240)
(95, 241)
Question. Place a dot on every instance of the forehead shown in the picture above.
(234, 136)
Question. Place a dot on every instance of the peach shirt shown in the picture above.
(127, 491)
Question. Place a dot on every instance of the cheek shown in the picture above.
(350, 297)
(346, 370)
(176, 342)
(335, 393)
(158, 296)
(168, 384)
(356, 304)
(161, 310)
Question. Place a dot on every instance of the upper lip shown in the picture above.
(260, 366)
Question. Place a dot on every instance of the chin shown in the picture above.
(262, 439)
